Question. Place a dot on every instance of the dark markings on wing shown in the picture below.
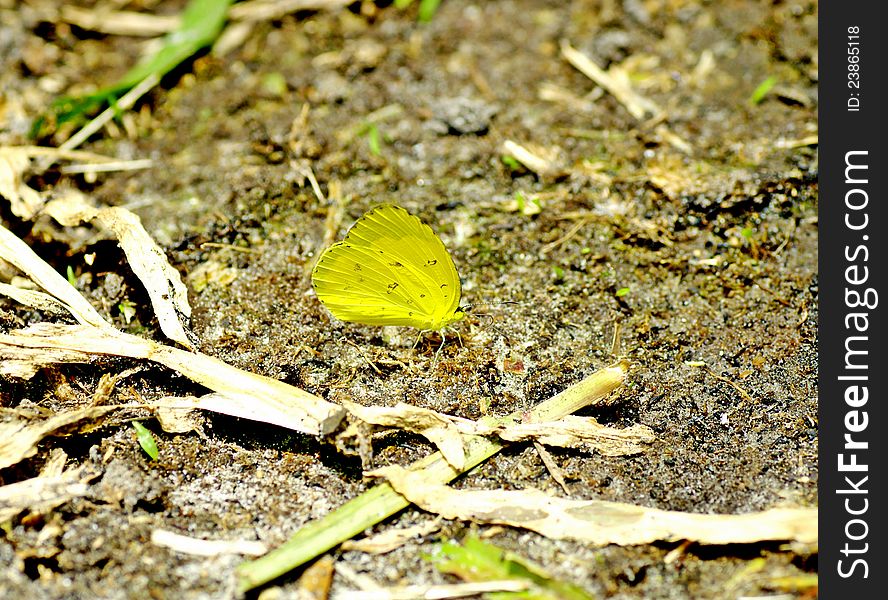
(335, 272)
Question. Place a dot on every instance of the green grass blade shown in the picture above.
(477, 560)
(762, 90)
(427, 10)
(202, 21)
(146, 440)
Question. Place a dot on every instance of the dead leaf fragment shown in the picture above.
(34, 299)
(24, 201)
(580, 432)
(615, 81)
(317, 579)
(435, 427)
(17, 253)
(239, 393)
(19, 439)
(198, 547)
(545, 162)
(599, 522)
(168, 294)
(265, 10)
(120, 22)
(391, 539)
(40, 494)
(178, 419)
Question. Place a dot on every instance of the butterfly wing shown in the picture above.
(391, 269)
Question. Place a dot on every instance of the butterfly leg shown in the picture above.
(441, 347)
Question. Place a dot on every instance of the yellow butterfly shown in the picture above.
(390, 269)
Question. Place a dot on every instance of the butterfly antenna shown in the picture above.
(471, 307)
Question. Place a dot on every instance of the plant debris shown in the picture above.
(199, 547)
(599, 522)
(19, 437)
